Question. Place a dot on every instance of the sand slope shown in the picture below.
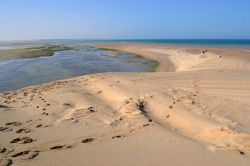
(194, 116)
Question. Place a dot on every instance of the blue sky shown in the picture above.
(124, 19)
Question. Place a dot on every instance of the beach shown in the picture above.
(193, 110)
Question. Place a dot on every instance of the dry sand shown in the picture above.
(194, 111)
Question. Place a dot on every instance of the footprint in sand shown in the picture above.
(242, 153)
(13, 123)
(6, 150)
(45, 113)
(21, 153)
(3, 106)
(91, 109)
(67, 104)
(23, 140)
(23, 130)
(131, 131)
(87, 140)
(5, 129)
(57, 147)
(28, 154)
(32, 154)
(99, 92)
(40, 125)
(28, 121)
(3, 150)
(117, 136)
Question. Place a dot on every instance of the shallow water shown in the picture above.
(15, 74)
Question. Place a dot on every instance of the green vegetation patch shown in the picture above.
(153, 64)
(32, 52)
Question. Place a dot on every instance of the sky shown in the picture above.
(124, 19)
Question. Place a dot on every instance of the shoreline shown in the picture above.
(165, 62)
(196, 106)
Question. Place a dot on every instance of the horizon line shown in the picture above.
(120, 39)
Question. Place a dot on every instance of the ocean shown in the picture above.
(190, 42)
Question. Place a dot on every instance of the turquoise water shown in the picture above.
(191, 42)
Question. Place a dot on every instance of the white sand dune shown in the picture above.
(193, 111)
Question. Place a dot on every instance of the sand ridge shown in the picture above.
(204, 111)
